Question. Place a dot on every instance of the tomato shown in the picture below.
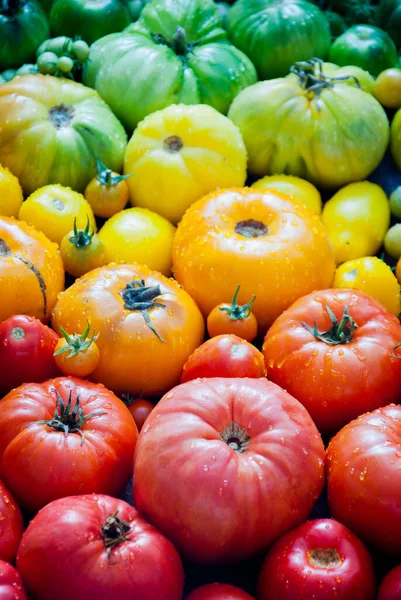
(77, 355)
(10, 194)
(82, 433)
(218, 591)
(183, 152)
(224, 356)
(31, 271)
(108, 192)
(138, 235)
(82, 251)
(390, 588)
(333, 351)
(54, 209)
(246, 447)
(140, 409)
(233, 318)
(249, 237)
(392, 241)
(11, 527)
(11, 587)
(388, 88)
(357, 218)
(299, 190)
(26, 352)
(125, 557)
(373, 277)
(395, 142)
(363, 475)
(148, 326)
(395, 202)
(320, 559)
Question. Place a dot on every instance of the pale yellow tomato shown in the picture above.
(373, 277)
(392, 241)
(10, 194)
(53, 209)
(181, 153)
(357, 218)
(299, 190)
(138, 235)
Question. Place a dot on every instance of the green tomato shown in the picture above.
(47, 63)
(59, 45)
(65, 64)
(392, 241)
(80, 49)
(366, 47)
(176, 53)
(23, 27)
(276, 34)
(90, 19)
(135, 8)
(28, 69)
(395, 202)
(8, 74)
(388, 17)
(395, 142)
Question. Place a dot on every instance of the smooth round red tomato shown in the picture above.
(224, 356)
(333, 351)
(233, 318)
(95, 546)
(320, 559)
(218, 591)
(390, 588)
(64, 437)
(11, 526)
(140, 409)
(238, 462)
(11, 587)
(364, 477)
(26, 352)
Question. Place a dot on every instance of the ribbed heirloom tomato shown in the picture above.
(257, 239)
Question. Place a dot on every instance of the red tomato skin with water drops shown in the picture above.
(290, 570)
(390, 587)
(11, 587)
(218, 591)
(363, 465)
(56, 561)
(11, 525)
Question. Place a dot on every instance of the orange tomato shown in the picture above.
(108, 192)
(81, 251)
(233, 318)
(31, 271)
(254, 238)
(77, 355)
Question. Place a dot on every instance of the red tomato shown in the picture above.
(97, 547)
(321, 559)
(11, 587)
(140, 409)
(238, 462)
(364, 477)
(224, 356)
(64, 437)
(11, 526)
(390, 588)
(333, 351)
(26, 352)
(218, 591)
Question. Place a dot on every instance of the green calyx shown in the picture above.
(313, 80)
(114, 532)
(340, 332)
(178, 42)
(82, 237)
(138, 296)
(237, 311)
(105, 176)
(76, 343)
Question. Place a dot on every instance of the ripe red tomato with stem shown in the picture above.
(219, 591)
(11, 587)
(233, 318)
(224, 356)
(11, 526)
(77, 355)
(112, 552)
(390, 587)
(320, 559)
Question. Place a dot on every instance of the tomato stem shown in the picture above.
(76, 343)
(236, 437)
(114, 532)
(106, 176)
(82, 237)
(237, 311)
(138, 296)
(339, 333)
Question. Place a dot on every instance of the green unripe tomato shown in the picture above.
(395, 201)
(59, 45)
(80, 49)
(8, 74)
(47, 63)
(42, 48)
(65, 64)
(392, 241)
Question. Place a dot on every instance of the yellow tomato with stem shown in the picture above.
(138, 235)
(108, 192)
(53, 209)
(11, 196)
(82, 251)
(372, 276)
(299, 190)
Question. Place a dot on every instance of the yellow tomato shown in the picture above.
(53, 209)
(82, 251)
(392, 241)
(357, 218)
(299, 190)
(388, 88)
(10, 194)
(138, 235)
(373, 277)
(180, 154)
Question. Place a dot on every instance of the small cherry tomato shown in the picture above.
(108, 192)
(224, 356)
(233, 318)
(218, 591)
(387, 88)
(80, 49)
(392, 241)
(77, 355)
(140, 409)
(47, 63)
(390, 588)
(65, 64)
(82, 251)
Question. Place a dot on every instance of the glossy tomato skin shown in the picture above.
(390, 587)
(363, 475)
(140, 410)
(145, 566)
(101, 461)
(224, 356)
(81, 364)
(335, 383)
(220, 323)
(26, 352)
(218, 591)
(11, 526)
(320, 559)
(247, 493)
(11, 587)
